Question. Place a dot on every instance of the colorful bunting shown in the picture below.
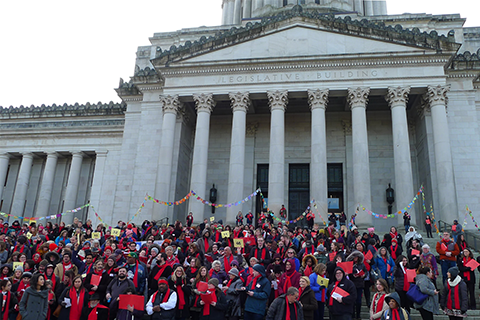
(473, 219)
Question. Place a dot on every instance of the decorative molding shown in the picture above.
(240, 101)
(251, 129)
(318, 98)
(277, 100)
(347, 127)
(204, 102)
(437, 95)
(62, 124)
(397, 96)
(170, 104)
(358, 97)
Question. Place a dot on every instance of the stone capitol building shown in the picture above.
(331, 100)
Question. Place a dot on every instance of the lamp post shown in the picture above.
(213, 197)
(390, 198)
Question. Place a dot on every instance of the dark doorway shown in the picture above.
(262, 183)
(335, 187)
(298, 191)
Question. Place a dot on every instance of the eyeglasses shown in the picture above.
(290, 252)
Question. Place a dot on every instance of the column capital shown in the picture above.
(318, 98)
(101, 153)
(52, 154)
(170, 104)
(397, 96)
(277, 100)
(27, 155)
(4, 155)
(437, 95)
(358, 97)
(77, 154)
(240, 101)
(204, 102)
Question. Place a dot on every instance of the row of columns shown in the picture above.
(46, 187)
(357, 98)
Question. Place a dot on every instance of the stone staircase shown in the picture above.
(414, 314)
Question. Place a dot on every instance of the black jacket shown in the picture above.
(346, 307)
(309, 303)
(217, 312)
(277, 310)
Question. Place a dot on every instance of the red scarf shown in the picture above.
(395, 314)
(206, 307)
(66, 267)
(217, 236)
(227, 262)
(388, 266)
(394, 235)
(406, 285)
(288, 281)
(254, 282)
(394, 252)
(6, 304)
(89, 268)
(165, 297)
(466, 274)
(306, 251)
(463, 245)
(77, 303)
(21, 248)
(288, 317)
(330, 302)
(263, 253)
(300, 290)
(159, 273)
(94, 313)
(236, 233)
(229, 283)
(379, 306)
(21, 289)
(206, 245)
(135, 275)
(181, 295)
(307, 272)
(449, 300)
(53, 279)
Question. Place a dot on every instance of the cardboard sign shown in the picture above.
(209, 298)
(17, 264)
(238, 243)
(115, 232)
(444, 247)
(249, 240)
(212, 219)
(472, 264)
(95, 281)
(411, 274)
(369, 255)
(346, 266)
(225, 234)
(415, 252)
(202, 286)
(322, 281)
(138, 302)
(341, 292)
(96, 235)
(29, 235)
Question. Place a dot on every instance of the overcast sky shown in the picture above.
(59, 51)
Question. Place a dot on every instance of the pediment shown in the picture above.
(300, 41)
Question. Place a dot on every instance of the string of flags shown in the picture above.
(283, 221)
(55, 216)
(473, 219)
(228, 205)
(400, 212)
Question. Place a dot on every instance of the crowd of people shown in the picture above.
(213, 271)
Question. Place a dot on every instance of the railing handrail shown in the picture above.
(160, 222)
(472, 240)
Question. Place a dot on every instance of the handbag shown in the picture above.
(416, 295)
(19, 315)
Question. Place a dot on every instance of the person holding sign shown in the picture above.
(402, 283)
(94, 310)
(342, 295)
(131, 311)
(178, 282)
(258, 292)
(161, 304)
(359, 272)
(467, 265)
(319, 284)
(214, 302)
(98, 280)
(384, 263)
(448, 251)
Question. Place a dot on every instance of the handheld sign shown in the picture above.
(212, 219)
(95, 280)
(17, 264)
(29, 235)
(346, 266)
(341, 292)
(368, 255)
(322, 281)
(411, 274)
(331, 256)
(138, 302)
(96, 235)
(225, 234)
(238, 243)
(415, 252)
(472, 264)
(115, 232)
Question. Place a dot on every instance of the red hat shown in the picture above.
(52, 246)
(109, 248)
(129, 226)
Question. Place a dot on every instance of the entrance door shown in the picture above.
(298, 191)
(262, 183)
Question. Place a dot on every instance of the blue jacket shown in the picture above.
(320, 291)
(258, 302)
(382, 266)
(142, 276)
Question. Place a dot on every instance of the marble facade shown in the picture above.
(210, 105)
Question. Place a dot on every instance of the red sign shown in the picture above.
(346, 266)
(138, 302)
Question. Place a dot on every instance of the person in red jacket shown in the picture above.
(448, 251)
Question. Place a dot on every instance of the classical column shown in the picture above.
(170, 105)
(240, 102)
(4, 159)
(237, 12)
(278, 101)
(21, 187)
(204, 104)
(358, 6)
(318, 100)
(368, 7)
(437, 98)
(70, 201)
(358, 98)
(96, 190)
(247, 9)
(397, 98)
(47, 185)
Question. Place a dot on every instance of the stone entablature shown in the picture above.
(76, 110)
(466, 61)
(327, 22)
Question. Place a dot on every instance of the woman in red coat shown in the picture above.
(290, 278)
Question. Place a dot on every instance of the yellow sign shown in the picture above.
(17, 264)
(115, 232)
(96, 235)
(225, 234)
(212, 219)
(29, 235)
(322, 281)
(238, 243)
